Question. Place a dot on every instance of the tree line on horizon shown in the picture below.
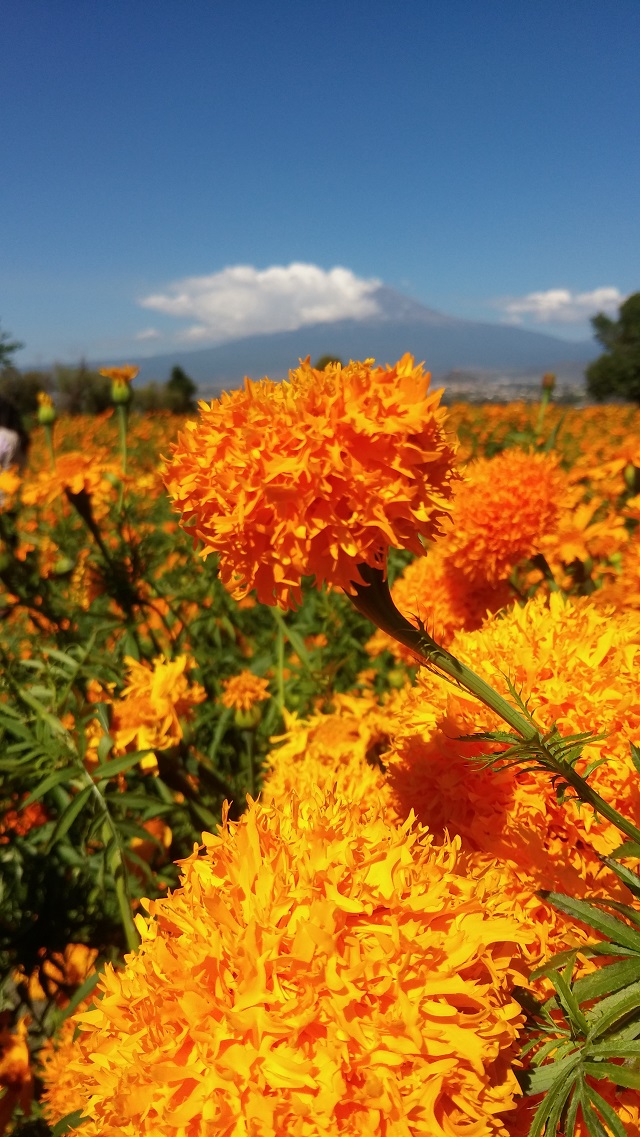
(83, 390)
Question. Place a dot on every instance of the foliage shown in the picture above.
(585, 1038)
(21, 388)
(81, 390)
(8, 348)
(323, 362)
(180, 392)
(617, 371)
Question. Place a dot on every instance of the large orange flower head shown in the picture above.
(315, 475)
(319, 971)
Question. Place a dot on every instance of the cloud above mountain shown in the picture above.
(560, 305)
(242, 300)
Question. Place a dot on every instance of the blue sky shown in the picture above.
(481, 156)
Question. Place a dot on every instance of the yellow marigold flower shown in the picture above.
(319, 971)
(502, 511)
(337, 751)
(314, 476)
(155, 701)
(241, 692)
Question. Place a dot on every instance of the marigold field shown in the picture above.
(319, 777)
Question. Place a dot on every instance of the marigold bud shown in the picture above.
(46, 409)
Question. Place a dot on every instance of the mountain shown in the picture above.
(446, 344)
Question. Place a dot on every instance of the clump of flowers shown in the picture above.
(577, 665)
(315, 475)
(319, 970)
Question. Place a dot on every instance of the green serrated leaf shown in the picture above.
(549, 1111)
(608, 1114)
(627, 849)
(105, 746)
(204, 815)
(53, 779)
(627, 876)
(67, 818)
(588, 913)
(620, 1075)
(595, 1128)
(635, 756)
(569, 1001)
(616, 1049)
(613, 1008)
(561, 959)
(115, 766)
(102, 715)
(79, 995)
(606, 980)
(572, 1111)
(541, 1079)
(71, 1121)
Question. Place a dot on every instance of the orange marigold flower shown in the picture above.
(120, 374)
(75, 472)
(241, 692)
(319, 971)
(502, 511)
(314, 476)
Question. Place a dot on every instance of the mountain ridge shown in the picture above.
(445, 343)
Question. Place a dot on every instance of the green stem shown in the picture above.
(279, 660)
(122, 423)
(544, 403)
(374, 601)
(590, 797)
(48, 432)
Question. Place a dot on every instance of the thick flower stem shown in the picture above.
(373, 600)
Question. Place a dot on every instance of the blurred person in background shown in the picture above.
(14, 439)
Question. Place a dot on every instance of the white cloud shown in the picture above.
(149, 334)
(561, 306)
(242, 300)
